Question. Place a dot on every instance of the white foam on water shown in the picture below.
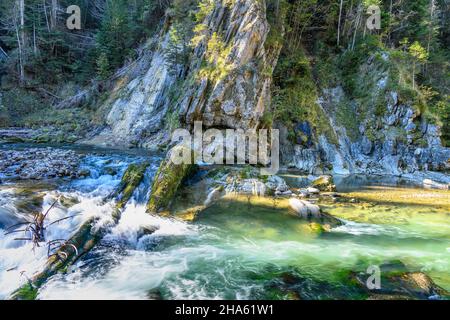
(18, 260)
(133, 278)
(187, 261)
(358, 229)
(137, 271)
(134, 218)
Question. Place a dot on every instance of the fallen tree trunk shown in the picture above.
(84, 240)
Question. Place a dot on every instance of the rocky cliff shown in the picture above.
(410, 143)
(227, 84)
(391, 136)
(229, 87)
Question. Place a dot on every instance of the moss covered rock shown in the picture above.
(167, 181)
(131, 179)
(324, 183)
(316, 228)
(398, 283)
(26, 292)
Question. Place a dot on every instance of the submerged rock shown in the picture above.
(398, 283)
(292, 284)
(307, 210)
(324, 183)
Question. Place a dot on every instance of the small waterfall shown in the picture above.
(80, 200)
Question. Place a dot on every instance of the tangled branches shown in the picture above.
(35, 229)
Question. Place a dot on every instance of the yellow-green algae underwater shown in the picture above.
(383, 224)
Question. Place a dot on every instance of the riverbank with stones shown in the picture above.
(39, 164)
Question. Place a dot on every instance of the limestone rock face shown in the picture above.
(144, 98)
(399, 142)
(139, 104)
(238, 99)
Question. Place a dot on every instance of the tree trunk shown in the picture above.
(35, 51)
(4, 52)
(54, 14)
(339, 23)
(390, 21)
(357, 22)
(45, 14)
(430, 33)
(21, 38)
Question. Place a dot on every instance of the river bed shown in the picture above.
(239, 248)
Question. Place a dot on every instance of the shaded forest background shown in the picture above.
(324, 44)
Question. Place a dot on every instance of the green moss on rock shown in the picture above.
(167, 181)
(131, 179)
(324, 183)
(316, 228)
(26, 292)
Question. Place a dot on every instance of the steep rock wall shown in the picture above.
(235, 99)
(405, 143)
(239, 98)
(231, 89)
(138, 106)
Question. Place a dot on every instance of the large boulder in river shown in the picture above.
(399, 283)
(168, 180)
(304, 209)
(307, 210)
(277, 184)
